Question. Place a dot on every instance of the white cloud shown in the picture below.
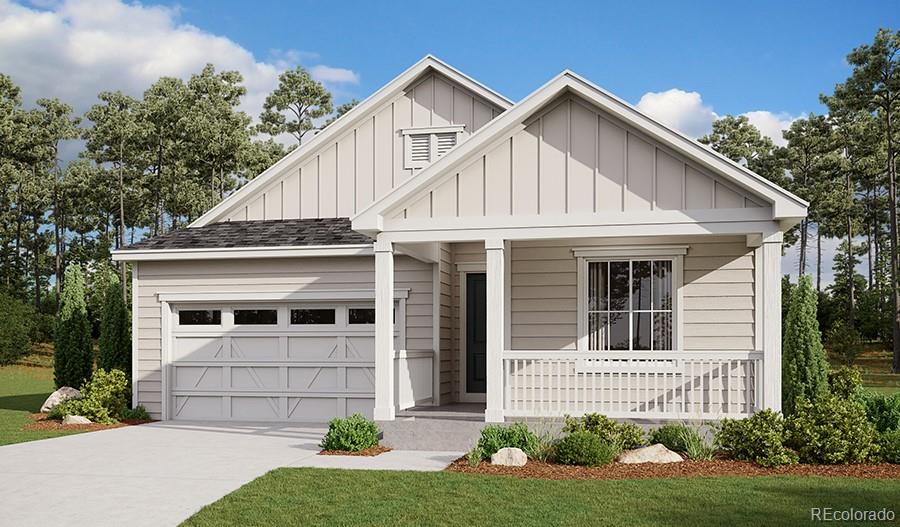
(77, 48)
(682, 110)
(771, 124)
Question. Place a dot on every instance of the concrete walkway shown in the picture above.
(159, 474)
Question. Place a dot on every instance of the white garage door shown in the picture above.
(286, 362)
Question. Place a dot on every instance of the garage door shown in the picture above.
(272, 362)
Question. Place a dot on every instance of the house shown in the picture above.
(440, 244)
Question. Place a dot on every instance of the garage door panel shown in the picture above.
(361, 406)
(362, 348)
(313, 379)
(198, 348)
(198, 377)
(254, 348)
(199, 407)
(256, 377)
(314, 408)
(361, 379)
(256, 408)
(313, 347)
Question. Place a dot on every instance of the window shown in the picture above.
(260, 317)
(199, 317)
(629, 305)
(425, 145)
(361, 315)
(312, 316)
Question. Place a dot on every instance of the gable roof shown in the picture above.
(298, 156)
(784, 203)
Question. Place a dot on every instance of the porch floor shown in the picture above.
(455, 411)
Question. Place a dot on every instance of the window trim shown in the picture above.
(432, 132)
(606, 254)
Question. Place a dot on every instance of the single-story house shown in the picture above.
(440, 243)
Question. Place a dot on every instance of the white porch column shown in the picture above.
(771, 306)
(384, 331)
(493, 412)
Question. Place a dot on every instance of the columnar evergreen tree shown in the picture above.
(804, 369)
(115, 332)
(73, 356)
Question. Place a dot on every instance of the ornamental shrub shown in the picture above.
(882, 410)
(516, 435)
(626, 435)
(672, 436)
(804, 367)
(350, 434)
(73, 357)
(845, 382)
(138, 413)
(890, 446)
(757, 438)
(103, 399)
(16, 325)
(115, 331)
(586, 449)
(831, 430)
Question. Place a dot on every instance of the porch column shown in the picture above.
(771, 306)
(493, 412)
(384, 331)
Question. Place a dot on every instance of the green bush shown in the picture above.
(16, 327)
(626, 435)
(672, 436)
(586, 449)
(115, 331)
(696, 446)
(350, 434)
(831, 430)
(138, 413)
(845, 382)
(43, 328)
(73, 356)
(803, 366)
(516, 435)
(890, 446)
(103, 399)
(844, 341)
(757, 438)
(882, 410)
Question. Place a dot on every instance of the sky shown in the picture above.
(684, 63)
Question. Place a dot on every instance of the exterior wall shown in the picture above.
(364, 164)
(573, 158)
(286, 274)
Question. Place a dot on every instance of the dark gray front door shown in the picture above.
(476, 332)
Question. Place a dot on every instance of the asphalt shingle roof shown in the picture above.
(269, 233)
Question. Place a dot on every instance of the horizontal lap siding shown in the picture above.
(448, 349)
(718, 303)
(266, 275)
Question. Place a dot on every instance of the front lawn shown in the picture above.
(303, 496)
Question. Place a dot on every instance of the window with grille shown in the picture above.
(423, 146)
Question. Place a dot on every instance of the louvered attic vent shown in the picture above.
(422, 146)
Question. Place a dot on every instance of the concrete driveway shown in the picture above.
(156, 474)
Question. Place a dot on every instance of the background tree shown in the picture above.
(803, 367)
(73, 356)
(115, 332)
(16, 325)
(340, 111)
(295, 105)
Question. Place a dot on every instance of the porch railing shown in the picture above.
(637, 384)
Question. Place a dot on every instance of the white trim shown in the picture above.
(462, 338)
(346, 122)
(276, 296)
(471, 267)
(435, 334)
(135, 347)
(433, 129)
(629, 251)
(165, 356)
(302, 251)
(495, 376)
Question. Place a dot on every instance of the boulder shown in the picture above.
(509, 457)
(76, 420)
(649, 454)
(59, 396)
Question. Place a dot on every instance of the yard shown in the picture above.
(291, 496)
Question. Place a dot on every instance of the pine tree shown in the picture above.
(115, 332)
(804, 370)
(73, 358)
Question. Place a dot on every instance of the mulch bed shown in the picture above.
(40, 422)
(374, 451)
(685, 469)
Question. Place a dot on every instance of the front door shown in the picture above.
(476, 332)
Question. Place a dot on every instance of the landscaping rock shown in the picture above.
(509, 457)
(76, 420)
(649, 454)
(59, 396)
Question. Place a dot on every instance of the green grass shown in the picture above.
(302, 496)
(23, 389)
(875, 364)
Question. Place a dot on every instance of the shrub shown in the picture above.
(845, 342)
(882, 410)
(831, 430)
(586, 449)
(626, 435)
(16, 326)
(804, 366)
(73, 357)
(103, 399)
(516, 435)
(115, 331)
(474, 457)
(695, 445)
(138, 413)
(890, 446)
(350, 434)
(757, 438)
(672, 435)
(845, 382)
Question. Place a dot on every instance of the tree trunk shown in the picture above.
(819, 258)
(803, 241)
(122, 216)
(851, 302)
(892, 191)
(37, 264)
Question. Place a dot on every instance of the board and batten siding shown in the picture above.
(718, 293)
(288, 274)
(573, 158)
(346, 175)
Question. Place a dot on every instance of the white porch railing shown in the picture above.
(636, 384)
